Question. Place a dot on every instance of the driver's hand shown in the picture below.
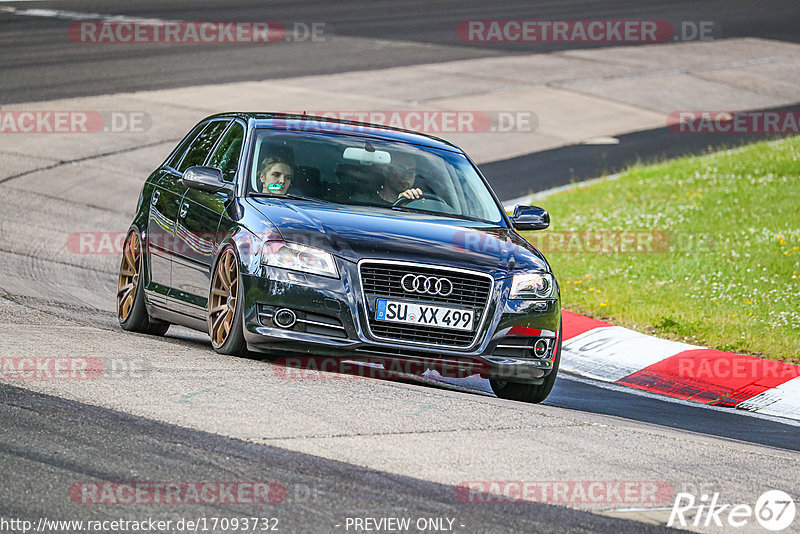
(411, 194)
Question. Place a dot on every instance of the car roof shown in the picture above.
(314, 123)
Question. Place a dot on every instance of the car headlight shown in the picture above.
(299, 258)
(533, 286)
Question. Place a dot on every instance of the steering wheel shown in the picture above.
(402, 201)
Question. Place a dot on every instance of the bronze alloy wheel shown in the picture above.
(224, 293)
(128, 281)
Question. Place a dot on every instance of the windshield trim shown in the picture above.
(438, 214)
(291, 196)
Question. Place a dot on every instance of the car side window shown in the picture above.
(184, 144)
(226, 157)
(200, 147)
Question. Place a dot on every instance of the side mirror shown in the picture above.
(205, 179)
(530, 218)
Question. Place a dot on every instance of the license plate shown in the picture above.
(420, 314)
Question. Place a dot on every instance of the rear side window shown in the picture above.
(178, 154)
(226, 157)
(200, 147)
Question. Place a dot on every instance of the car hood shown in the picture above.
(358, 232)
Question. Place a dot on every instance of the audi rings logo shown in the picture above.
(427, 285)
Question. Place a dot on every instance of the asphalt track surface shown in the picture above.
(47, 443)
(38, 63)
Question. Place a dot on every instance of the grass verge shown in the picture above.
(703, 249)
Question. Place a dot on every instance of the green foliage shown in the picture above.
(713, 251)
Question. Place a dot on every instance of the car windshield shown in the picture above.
(355, 170)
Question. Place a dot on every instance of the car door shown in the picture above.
(166, 202)
(164, 206)
(196, 227)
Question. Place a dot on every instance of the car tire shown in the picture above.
(131, 309)
(225, 322)
(533, 393)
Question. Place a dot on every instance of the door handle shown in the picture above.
(184, 209)
(156, 194)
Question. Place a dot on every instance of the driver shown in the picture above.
(399, 179)
(396, 182)
(276, 175)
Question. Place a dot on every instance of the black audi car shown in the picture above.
(300, 235)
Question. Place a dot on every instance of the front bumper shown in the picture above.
(331, 321)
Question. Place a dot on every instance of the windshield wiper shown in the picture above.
(291, 196)
(439, 213)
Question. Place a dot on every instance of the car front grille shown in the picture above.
(469, 290)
